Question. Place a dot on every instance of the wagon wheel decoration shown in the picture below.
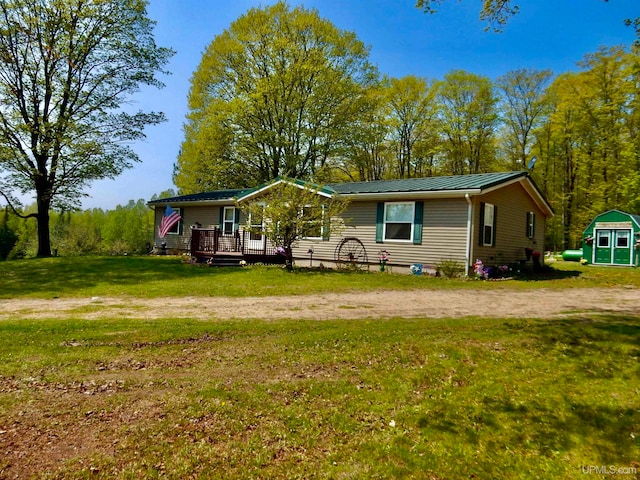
(350, 253)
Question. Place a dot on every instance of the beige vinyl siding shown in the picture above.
(445, 230)
(443, 235)
(360, 222)
(512, 204)
(207, 216)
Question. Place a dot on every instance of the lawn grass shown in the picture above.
(153, 277)
(400, 398)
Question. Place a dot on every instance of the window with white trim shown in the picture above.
(488, 225)
(531, 224)
(622, 238)
(177, 227)
(228, 220)
(314, 227)
(256, 226)
(398, 221)
(603, 238)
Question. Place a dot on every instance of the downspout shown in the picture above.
(469, 224)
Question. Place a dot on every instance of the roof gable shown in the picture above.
(326, 191)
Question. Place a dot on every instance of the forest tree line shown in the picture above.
(284, 92)
(126, 229)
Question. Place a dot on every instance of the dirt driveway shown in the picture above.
(354, 305)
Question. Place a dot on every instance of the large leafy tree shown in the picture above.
(275, 94)
(67, 67)
(469, 116)
(524, 108)
(367, 154)
(412, 113)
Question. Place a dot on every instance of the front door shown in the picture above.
(613, 247)
(602, 253)
(622, 247)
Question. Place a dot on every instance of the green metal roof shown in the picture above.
(460, 183)
(230, 194)
(478, 181)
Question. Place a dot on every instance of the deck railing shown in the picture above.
(212, 241)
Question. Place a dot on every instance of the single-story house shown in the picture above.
(493, 217)
(612, 238)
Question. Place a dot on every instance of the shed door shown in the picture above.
(602, 249)
(622, 247)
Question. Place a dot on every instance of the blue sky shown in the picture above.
(546, 34)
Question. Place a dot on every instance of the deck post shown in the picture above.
(195, 241)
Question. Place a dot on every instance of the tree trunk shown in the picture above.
(44, 236)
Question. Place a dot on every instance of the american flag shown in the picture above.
(169, 219)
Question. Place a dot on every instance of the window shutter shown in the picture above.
(181, 222)
(493, 230)
(379, 222)
(527, 223)
(221, 219)
(417, 223)
(481, 236)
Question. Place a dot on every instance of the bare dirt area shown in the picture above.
(72, 423)
(503, 303)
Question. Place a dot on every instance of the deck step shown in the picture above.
(224, 260)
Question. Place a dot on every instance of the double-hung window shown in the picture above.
(228, 220)
(398, 221)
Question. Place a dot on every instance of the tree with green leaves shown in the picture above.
(367, 154)
(412, 114)
(274, 95)
(8, 237)
(67, 68)
(524, 108)
(468, 115)
(291, 210)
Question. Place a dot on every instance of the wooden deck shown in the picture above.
(213, 247)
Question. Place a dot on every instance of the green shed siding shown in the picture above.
(609, 224)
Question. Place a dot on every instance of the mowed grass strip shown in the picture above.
(438, 399)
(153, 277)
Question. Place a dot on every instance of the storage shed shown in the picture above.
(613, 238)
